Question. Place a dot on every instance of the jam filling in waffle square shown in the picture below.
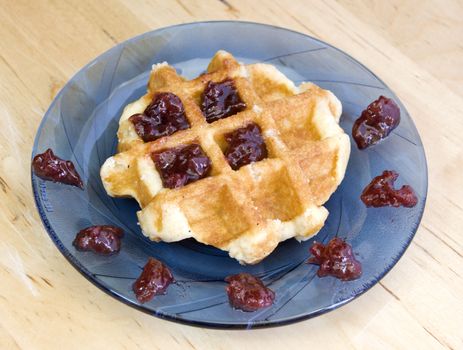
(245, 145)
(181, 165)
(221, 100)
(164, 116)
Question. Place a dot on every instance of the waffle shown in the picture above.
(248, 211)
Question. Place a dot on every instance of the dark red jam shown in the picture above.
(154, 280)
(47, 166)
(221, 100)
(248, 293)
(163, 116)
(335, 259)
(380, 192)
(104, 239)
(376, 122)
(181, 165)
(245, 146)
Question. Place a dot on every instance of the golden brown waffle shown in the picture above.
(246, 212)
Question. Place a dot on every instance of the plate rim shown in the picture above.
(196, 323)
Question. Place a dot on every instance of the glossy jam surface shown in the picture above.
(154, 280)
(47, 166)
(335, 259)
(182, 165)
(104, 239)
(245, 146)
(380, 192)
(221, 100)
(164, 116)
(376, 122)
(247, 292)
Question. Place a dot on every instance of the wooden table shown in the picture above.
(414, 46)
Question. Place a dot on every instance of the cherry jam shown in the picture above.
(335, 259)
(164, 116)
(380, 192)
(154, 280)
(247, 292)
(221, 100)
(245, 145)
(376, 122)
(49, 167)
(104, 239)
(182, 165)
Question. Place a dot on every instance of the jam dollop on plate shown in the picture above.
(164, 116)
(221, 100)
(376, 122)
(181, 165)
(154, 280)
(247, 292)
(245, 145)
(103, 239)
(49, 167)
(335, 259)
(380, 192)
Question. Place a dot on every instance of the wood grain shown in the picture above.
(414, 46)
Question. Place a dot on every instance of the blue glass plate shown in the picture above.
(81, 125)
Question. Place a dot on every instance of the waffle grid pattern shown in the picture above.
(250, 210)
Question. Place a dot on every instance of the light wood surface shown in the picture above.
(414, 46)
